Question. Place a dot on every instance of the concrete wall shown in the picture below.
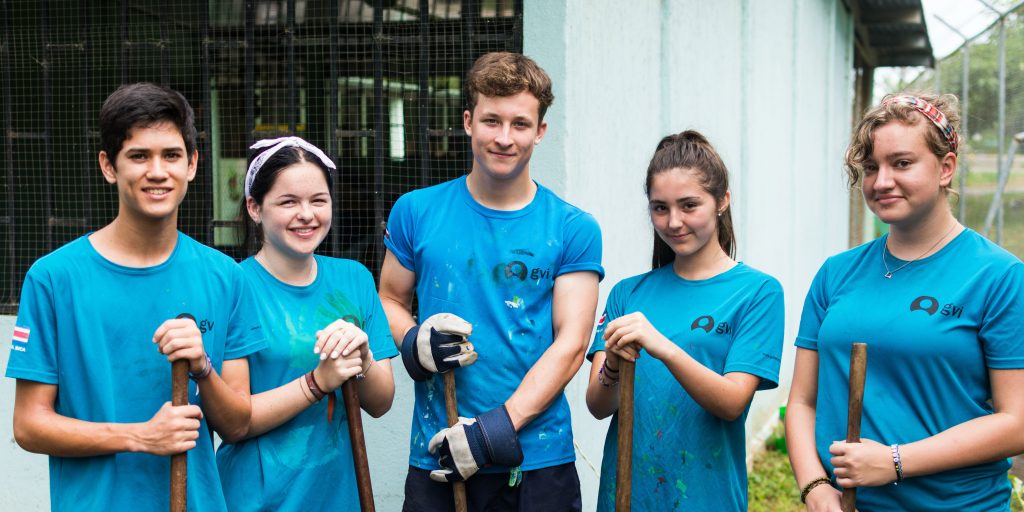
(769, 83)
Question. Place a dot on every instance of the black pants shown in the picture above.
(553, 489)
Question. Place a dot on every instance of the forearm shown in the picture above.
(800, 442)
(602, 401)
(400, 318)
(718, 394)
(273, 408)
(545, 381)
(377, 389)
(228, 411)
(397, 285)
(985, 439)
(61, 436)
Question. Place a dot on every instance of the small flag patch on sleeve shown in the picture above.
(20, 334)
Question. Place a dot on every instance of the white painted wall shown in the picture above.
(769, 83)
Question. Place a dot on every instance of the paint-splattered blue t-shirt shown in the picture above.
(86, 325)
(289, 467)
(497, 270)
(934, 330)
(685, 458)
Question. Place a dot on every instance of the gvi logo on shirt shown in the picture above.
(522, 271)
(930, 305)
(707, 322)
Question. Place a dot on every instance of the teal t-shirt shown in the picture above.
(86, 324)
(497, 270)
(934, 330)
(685, 458)
(306, 463)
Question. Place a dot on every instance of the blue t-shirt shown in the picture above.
(305, 463)
(685, 458)
(933, 331)
(88, 325)
(497, 270)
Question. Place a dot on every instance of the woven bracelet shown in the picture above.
(810, 487)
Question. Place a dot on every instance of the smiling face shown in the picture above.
(295, 213)
(904, 182)
(503, 131)
(684, 214)
(152, 172)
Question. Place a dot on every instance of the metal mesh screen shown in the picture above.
(993, 105)
(375, 83)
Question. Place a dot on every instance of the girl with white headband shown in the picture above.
(324, 325)
(940, 308)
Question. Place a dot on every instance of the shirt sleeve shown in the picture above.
(1002, 327)
(398, 236)
(815, 306)
(245, 334)
(34, 340)
(582, 246)
(375, 323)
(757, 345)
(613, 309)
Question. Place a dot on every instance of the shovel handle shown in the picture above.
(179, 461)
(355, 432)
(624, 464)
(858, 373)
(451, 408)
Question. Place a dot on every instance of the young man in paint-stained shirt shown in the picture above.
(506, 275)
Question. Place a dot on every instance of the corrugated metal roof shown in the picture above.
(892, 32)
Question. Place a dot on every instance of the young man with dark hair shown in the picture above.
(499, 257)
(102, 317)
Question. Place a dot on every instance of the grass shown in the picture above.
(771, 488)
(770, 484)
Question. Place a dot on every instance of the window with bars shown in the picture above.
(376, 83)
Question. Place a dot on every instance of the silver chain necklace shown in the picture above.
(885, 249)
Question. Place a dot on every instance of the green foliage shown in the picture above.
(1017, 499)
(1013, 219)
(983, 112)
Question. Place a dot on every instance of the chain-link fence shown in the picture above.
(376, 83)
(987, 73)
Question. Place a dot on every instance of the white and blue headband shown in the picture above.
(277, 145)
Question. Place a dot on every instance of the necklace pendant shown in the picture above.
(888, 275)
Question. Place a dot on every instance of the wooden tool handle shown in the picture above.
(179, 462)
(451, 408)
(355, 432)
(858, 372)
(624, 464)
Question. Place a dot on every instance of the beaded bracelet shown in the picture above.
(314, 388)
(811, 485)
(206, 370)
(897, 463)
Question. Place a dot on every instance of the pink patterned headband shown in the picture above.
(932, 113)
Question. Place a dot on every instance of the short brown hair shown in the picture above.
(503, 74)
(862, 145)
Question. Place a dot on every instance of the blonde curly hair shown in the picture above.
(862, 144)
